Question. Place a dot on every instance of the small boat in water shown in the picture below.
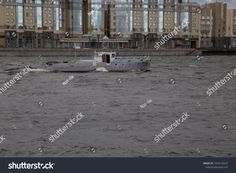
(103, 61)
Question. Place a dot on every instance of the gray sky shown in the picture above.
(231, 3)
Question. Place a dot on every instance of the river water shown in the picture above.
(115, 124)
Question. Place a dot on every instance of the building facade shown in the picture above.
(31, 23)
(217, 26)
(131, 23)
(206, 26)
(231, 29)
(219, 12)
(114, 24)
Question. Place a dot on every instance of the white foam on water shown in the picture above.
(39, 70)
(101, 69)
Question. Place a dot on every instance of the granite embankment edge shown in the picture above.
(6, 52)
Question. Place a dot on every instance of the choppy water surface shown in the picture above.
(114, 124)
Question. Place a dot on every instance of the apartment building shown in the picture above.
(231, 28)
(188, 17)
(219, 12)
(206, 26)
(31, 23)
(2, 24)
(114, 23)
